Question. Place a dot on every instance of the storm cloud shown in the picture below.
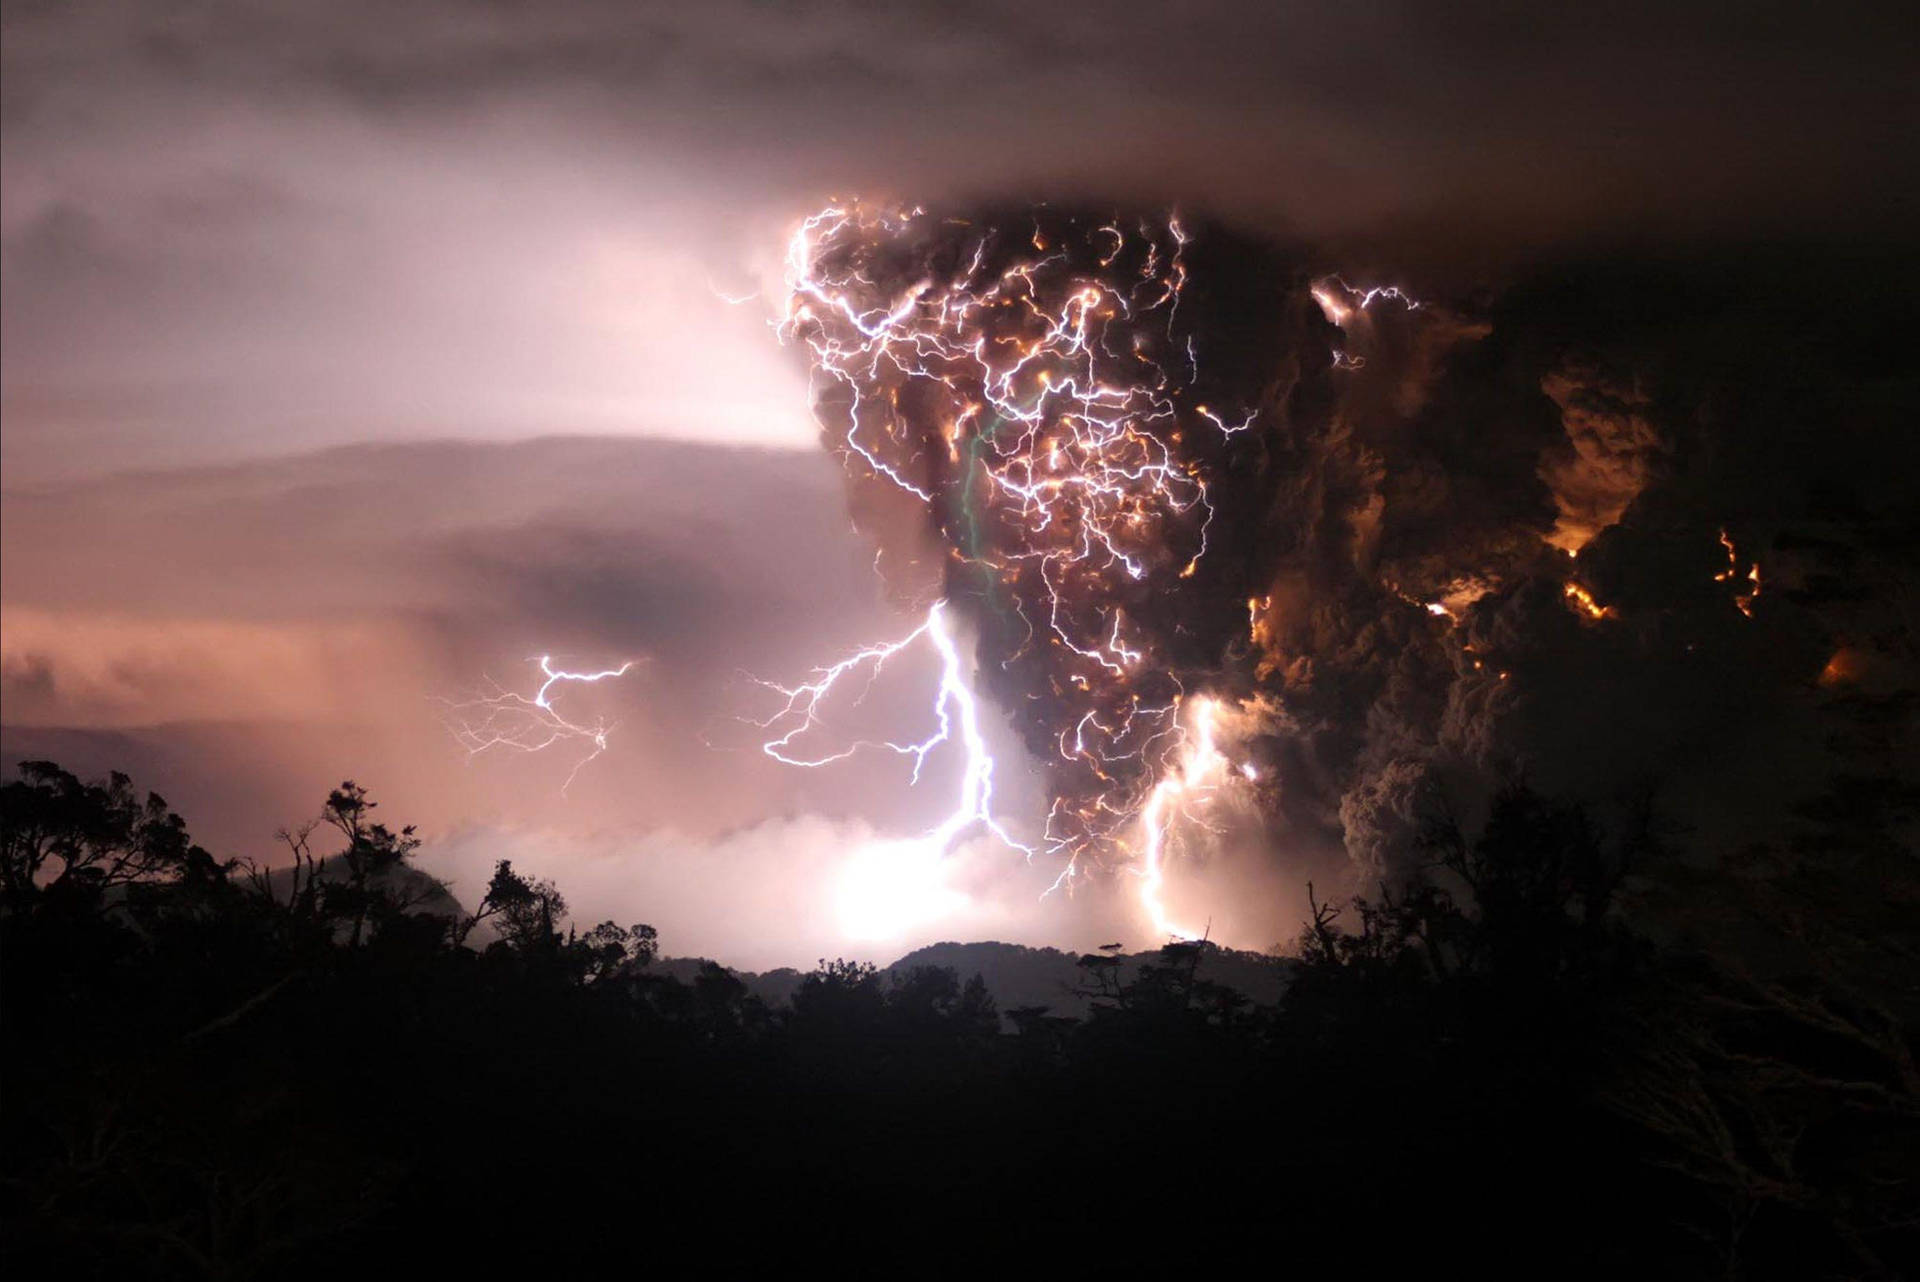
(231, 229)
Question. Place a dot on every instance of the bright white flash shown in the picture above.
(892, 885)
(1199, 771)
(888, 888)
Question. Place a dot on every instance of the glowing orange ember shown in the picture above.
(1583, 601)
(1844, 668)
(1742, 601)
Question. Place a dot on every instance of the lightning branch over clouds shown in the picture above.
(499, 718)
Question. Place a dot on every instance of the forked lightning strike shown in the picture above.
(1201, 768)
(1341, 302)
(955, 709)
(501, 718)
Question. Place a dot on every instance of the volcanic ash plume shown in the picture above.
(1088, 422)
(1314, 568)
(1345, 558)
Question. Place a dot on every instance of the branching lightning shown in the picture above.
(1035, 392)
(1340, 303)
(501, 718)
(1199, 770)
(889, 885)
(800, 716)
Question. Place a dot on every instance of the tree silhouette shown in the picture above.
(69, 843)
(839, 997)
(530, 910)
(372, 853)
(609, 949)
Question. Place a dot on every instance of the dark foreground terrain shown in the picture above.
(212, 1072)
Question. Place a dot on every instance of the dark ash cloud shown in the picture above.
(1581, 536)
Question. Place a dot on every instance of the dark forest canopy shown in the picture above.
(217, 1070)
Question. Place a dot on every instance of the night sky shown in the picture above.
(355, 354)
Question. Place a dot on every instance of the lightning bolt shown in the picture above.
(956, 716)
(501, 718)
(1200, 769)
(1340, 303)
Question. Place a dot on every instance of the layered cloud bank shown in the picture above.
(234, 229)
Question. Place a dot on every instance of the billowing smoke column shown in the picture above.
(1092, 447)
(1341, 555)
(1213, 518)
